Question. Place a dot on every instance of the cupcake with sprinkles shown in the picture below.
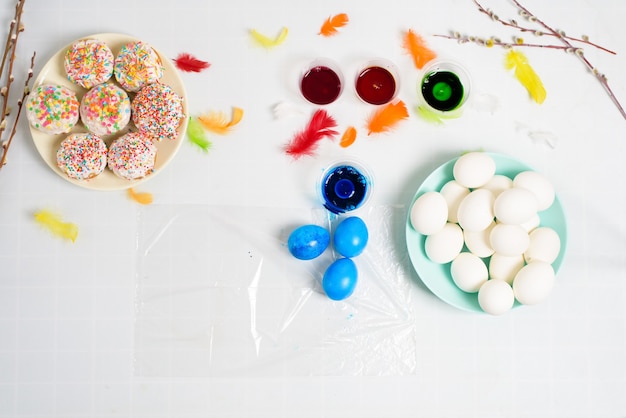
(136, 65)
(157, 111)
(89, 62)
(132, 156)
(82, 156)
(52, 109)
(105, 109)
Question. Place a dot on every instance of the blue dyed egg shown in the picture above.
(340, 279)
(350, 237)
(308, 241)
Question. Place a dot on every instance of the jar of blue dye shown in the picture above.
(345, 186)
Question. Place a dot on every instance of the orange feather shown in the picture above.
(417, 48)
(348, 138)
(387, 117)
(218, 122)
(329, 28)
(142, 198)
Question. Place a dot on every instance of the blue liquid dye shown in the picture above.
(344, 189)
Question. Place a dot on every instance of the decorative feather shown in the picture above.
(306, 141)
(218, 122)
(142, 198)
(286, 109)
(189, 63)
(435, 117)
(387, 117)
(526, 75)
(417, 48)
(54, 223)
(197, 135)
(329, 28)
(348, 138)
(268, 42)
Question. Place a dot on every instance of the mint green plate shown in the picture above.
(437, 276)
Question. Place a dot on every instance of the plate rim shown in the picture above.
(107, 181)
(471, 299)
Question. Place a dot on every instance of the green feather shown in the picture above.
(436, 118)
(197, 135)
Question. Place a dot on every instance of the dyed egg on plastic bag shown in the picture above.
(308, 241)
(340, 279)
(350, 237)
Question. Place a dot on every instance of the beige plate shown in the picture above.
(54, 73)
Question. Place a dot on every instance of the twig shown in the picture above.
(579, 53)
(566, 43)
(15, 28)
(497, 42)
(512, 23)
(20, 103)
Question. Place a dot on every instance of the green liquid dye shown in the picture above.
(443, 90)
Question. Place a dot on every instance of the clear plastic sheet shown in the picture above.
(219, 294)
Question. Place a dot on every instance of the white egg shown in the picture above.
(478, 243)
(539, 185)
(544, 245)
(497, 184)
(508, 239)
(515, 206)
(474, 169)
(504, 267)
(532, 223)
(476, 210)
(533, 283)
(443, 246)
(453, 192)
(468, 272)
(496, 297)
(429, 213)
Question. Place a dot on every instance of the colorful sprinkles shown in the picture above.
(105, 109)
(82, 156)
(52, 109)
(89, 62)
(137, 65)
(157, 111)
(132, 156)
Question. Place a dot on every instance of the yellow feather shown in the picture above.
(266, 41)
(526, 75)
(53, 223)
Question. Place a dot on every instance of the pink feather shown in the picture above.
(306, 141)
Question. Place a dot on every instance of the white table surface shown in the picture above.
(67, 311)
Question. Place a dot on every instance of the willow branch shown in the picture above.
(20, 104)
(578, 52)
(513, 24)
(8, 60)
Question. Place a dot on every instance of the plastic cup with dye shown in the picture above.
(444, 86)
(377, 82)
(345, 186)
(321, 82)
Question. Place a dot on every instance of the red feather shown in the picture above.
(306, 141)
(189, 63)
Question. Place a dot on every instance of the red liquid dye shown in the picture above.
(376, 85)
(320, 85)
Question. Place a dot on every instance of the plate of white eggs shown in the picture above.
(487, 233)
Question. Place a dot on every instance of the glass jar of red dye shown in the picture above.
(377, 82)
(321, 82)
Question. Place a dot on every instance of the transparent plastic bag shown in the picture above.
(219, 294)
